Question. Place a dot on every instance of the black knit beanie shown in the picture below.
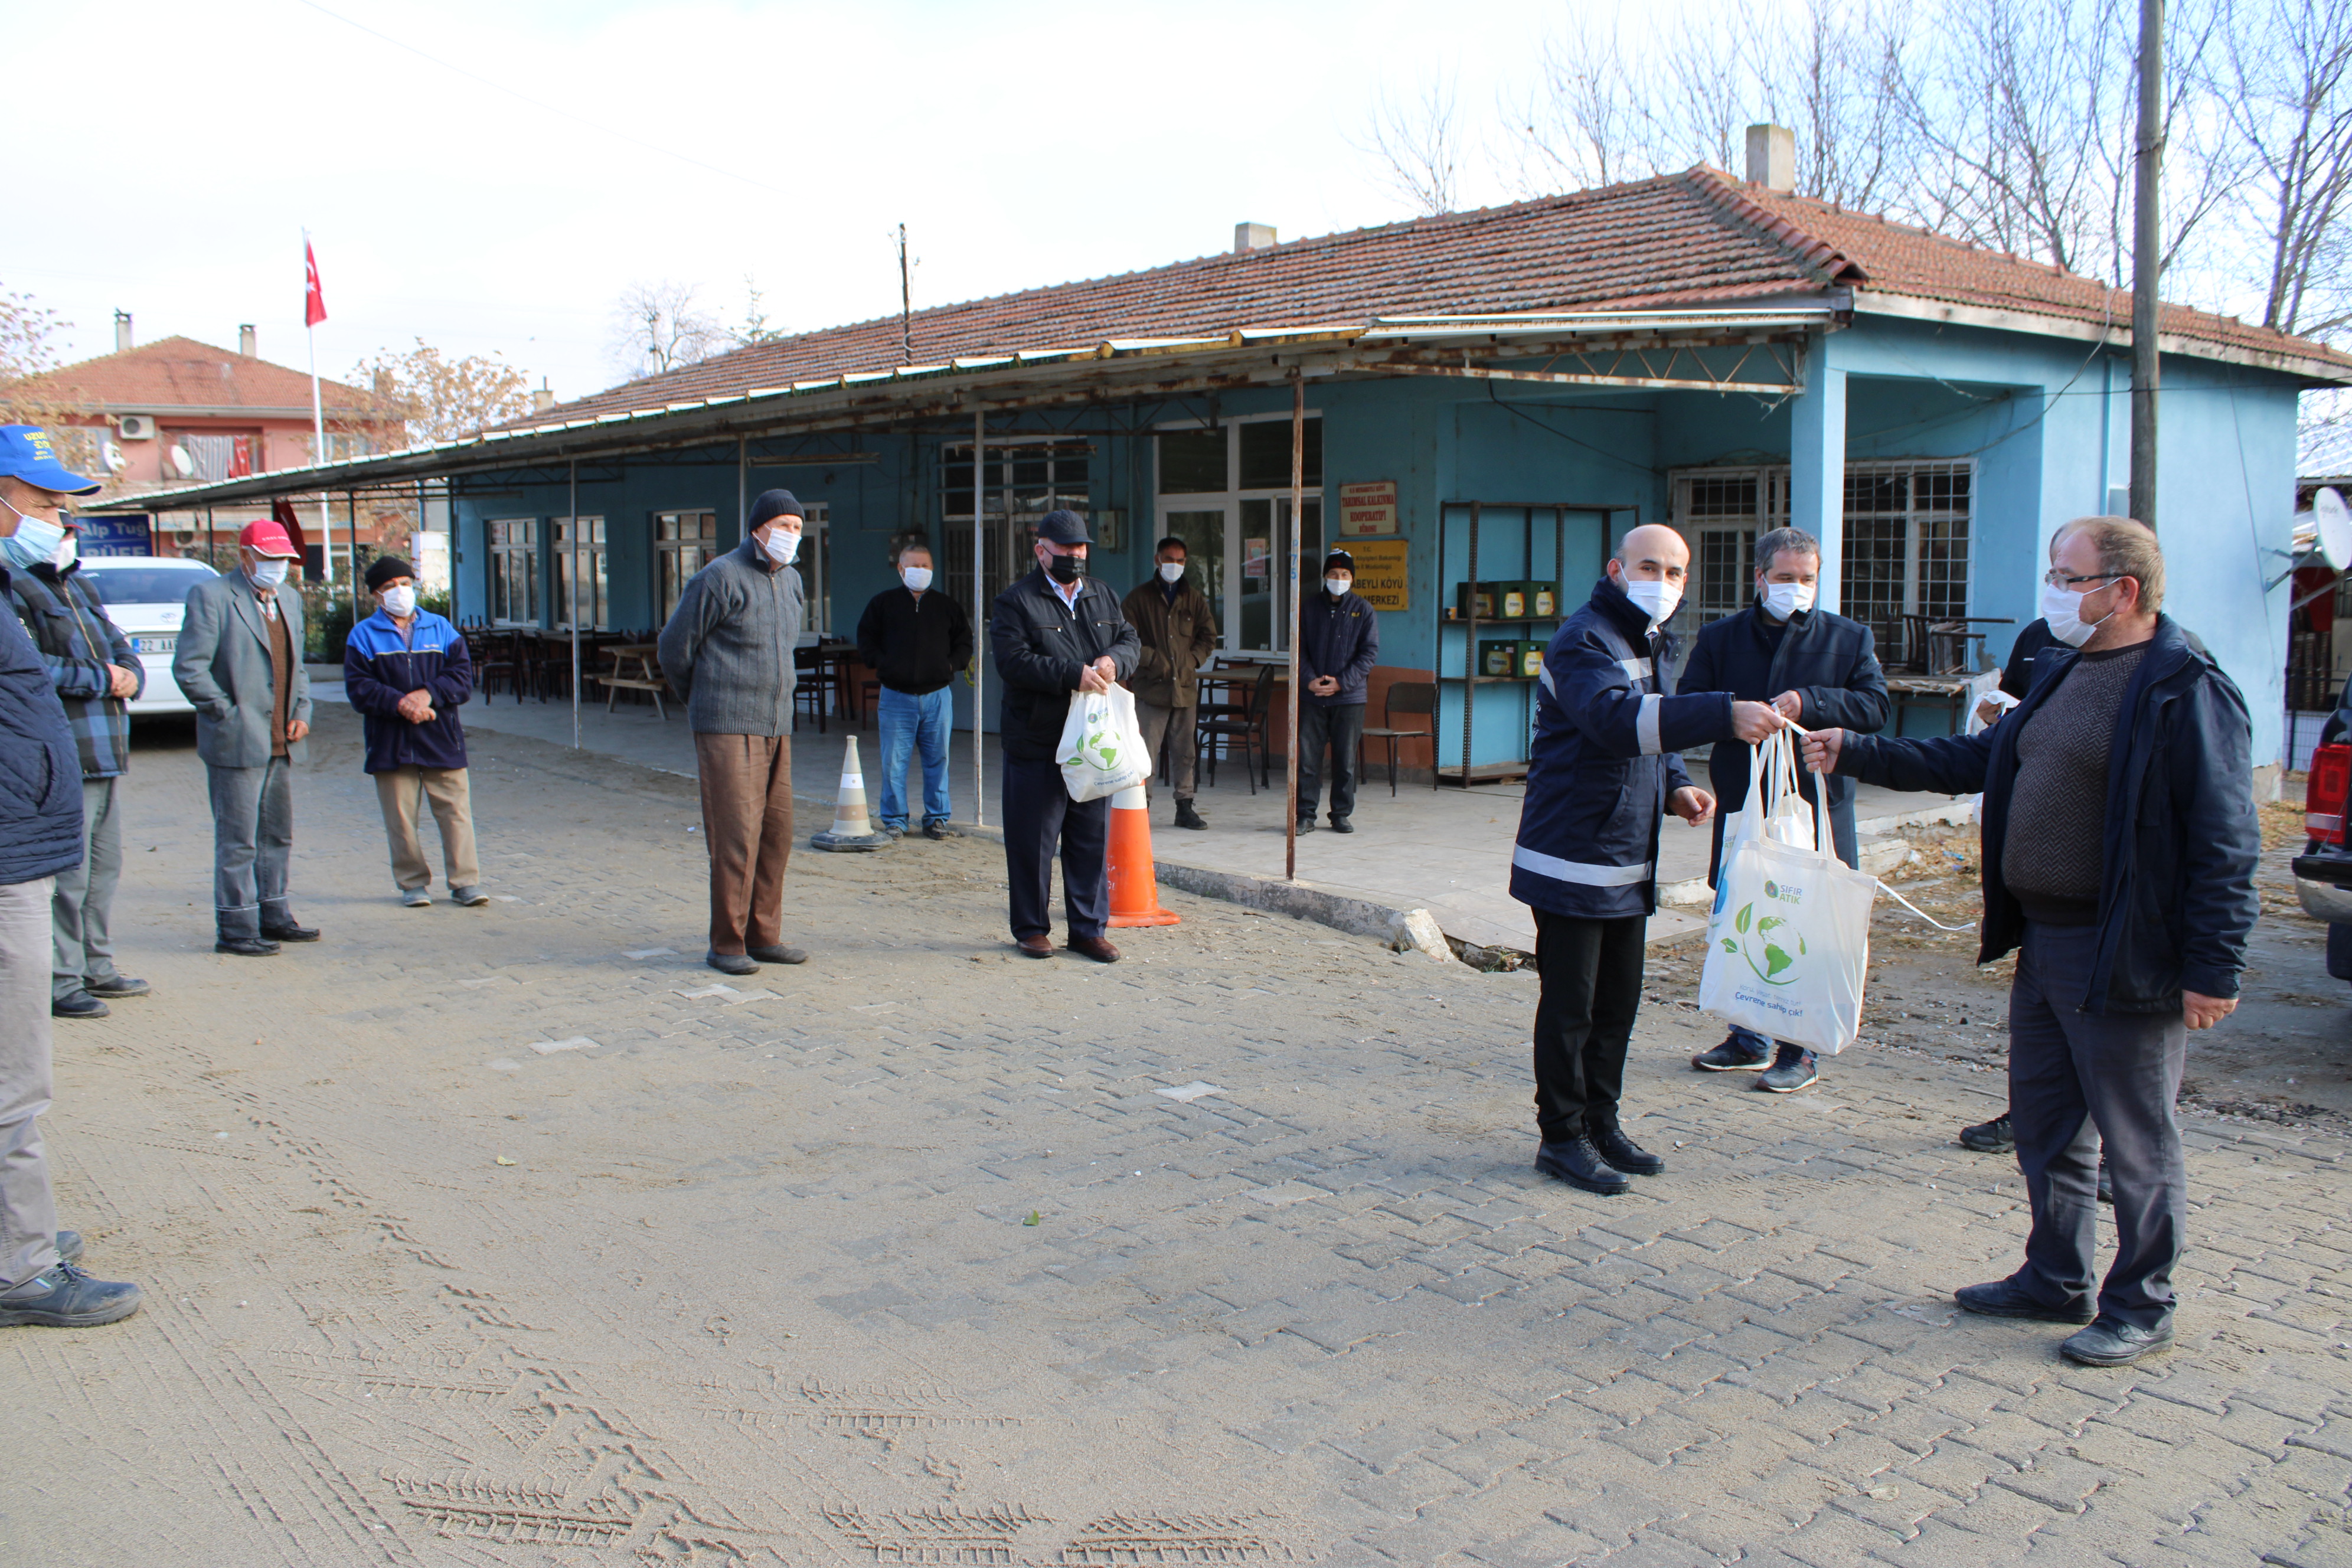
(771, 505)
(384, 568)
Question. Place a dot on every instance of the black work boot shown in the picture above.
(1609, 1141)
(1989, 1137)
(63, 1297)
(1576, 1162)
(1186, 816)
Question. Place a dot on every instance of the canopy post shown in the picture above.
(351, 524)
(980, 616)
(571, 476)
(1297, 527)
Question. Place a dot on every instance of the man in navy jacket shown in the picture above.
(1819, 671)
(407, 672)
(1602, 770)
(1338, 643)
(2119, 851)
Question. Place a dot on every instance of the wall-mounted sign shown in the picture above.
(1384, 574)
(114, 536)
(1369, 506)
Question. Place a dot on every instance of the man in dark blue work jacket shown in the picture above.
(1819, 671)
(1602, 771)
(406, 670)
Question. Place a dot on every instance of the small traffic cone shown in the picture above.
(852, 829)
(1134, 889)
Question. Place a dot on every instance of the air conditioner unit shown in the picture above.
(136, 426)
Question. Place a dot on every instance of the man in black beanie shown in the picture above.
(406, 671)
(1054, 632)
(1338, 643)
(728, 652)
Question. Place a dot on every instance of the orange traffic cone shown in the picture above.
(1134, 889)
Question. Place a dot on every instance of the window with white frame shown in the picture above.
(1225, 490)
(1027, 477)
(514, 571)
(1908, 534)
(814, 563)
(578, 545)
(683, 543)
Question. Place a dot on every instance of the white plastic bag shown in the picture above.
(1787, 945)
(1102, 748)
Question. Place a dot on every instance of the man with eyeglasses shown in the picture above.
(2119, 851)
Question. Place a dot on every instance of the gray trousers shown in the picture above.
(2074, 1077)
(1169, 727)
(83, 909)
(29, 1212)
(253, 839)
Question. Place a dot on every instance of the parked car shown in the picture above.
(146, 595)
(2323, 872)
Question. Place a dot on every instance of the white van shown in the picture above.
(146, 595)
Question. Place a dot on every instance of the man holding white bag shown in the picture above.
(1054, 634)
(2120, 844)
(1602, 770)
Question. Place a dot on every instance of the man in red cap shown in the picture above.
(239, 662)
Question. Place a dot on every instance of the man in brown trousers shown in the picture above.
(728, 652)
(1178, 630)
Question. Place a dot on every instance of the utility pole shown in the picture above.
(907, 309)
(2148, 260)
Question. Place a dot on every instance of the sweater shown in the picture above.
(381, 667)
(914, 643)
(40, 779)
(728, 648)
(78, 641)
(2053, 854)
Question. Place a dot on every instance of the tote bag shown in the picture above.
(1788, 944)
(1102, 746)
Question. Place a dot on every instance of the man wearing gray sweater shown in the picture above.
(728, 653)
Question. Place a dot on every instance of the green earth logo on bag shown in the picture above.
(1772, 935)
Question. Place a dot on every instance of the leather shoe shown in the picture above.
(1305, 825)
(246, 946)
(1035, 946)
(115, 986)
(1341, 824)
(70, 1246)
(1188, 817)
(1095, 947)
(1992, 1137)
(81, 1005)
(2111, 1341)
(942, 830)
(2007, 1299)
(1580, 1164)
(290, 933)
(779, 953)
(1609, 1141)
(63, 1297)
(738, 964)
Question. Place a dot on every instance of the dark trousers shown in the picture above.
(253, 844)
(747, 827)
(1342, 728)
(2073, 1078)
(1592, 974)
(1039, 817)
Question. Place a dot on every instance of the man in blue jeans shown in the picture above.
(915, 638)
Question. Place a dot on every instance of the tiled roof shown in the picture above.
(180, 373)
(1697, 237)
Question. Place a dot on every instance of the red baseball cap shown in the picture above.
(268, 538)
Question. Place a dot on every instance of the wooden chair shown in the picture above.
(1404, 696)
(1221, 724)
(495, 660)
(869, 697)
(809, 686)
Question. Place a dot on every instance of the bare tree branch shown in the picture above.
(658, 327)
(1419, 143)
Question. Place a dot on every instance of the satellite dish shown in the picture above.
(181, 464)
(2334, 527)
(111, 456)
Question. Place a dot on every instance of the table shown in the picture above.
(648, 677)
(1949, 692)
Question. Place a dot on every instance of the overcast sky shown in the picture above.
(179, 150)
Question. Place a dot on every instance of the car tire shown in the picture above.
(2339, 951)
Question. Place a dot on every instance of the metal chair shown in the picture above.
(1221, 724)
(1404, 697)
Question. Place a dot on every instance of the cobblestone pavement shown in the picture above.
(509, 1236)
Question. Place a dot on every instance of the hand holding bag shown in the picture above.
(1102, 746)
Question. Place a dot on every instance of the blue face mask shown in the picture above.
(35, 541)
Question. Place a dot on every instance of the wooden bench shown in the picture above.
(647, 678)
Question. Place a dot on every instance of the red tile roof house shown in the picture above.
(1509, 388)
(161, 415)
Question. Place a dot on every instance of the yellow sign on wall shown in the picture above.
(1384, 574)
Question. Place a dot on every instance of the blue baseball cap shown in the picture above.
(26, 453)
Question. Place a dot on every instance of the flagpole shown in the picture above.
(319, 426)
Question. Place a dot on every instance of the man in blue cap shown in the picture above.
(1055, 633)
(41, 806)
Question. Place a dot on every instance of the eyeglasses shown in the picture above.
(2058, 579)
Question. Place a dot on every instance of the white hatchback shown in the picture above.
(146, 595)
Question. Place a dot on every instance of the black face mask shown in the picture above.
(1066, 568)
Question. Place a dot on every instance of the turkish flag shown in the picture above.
(282, 513)
(314, 303)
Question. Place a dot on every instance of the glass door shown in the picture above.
(1202, 529)
(1263, 540)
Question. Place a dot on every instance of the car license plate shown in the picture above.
(155, 645)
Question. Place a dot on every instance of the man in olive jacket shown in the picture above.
(1179, 631)
(1055, 633)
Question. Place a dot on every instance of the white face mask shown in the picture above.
(68, 550)
(1171, 571)
(917, 578)
(1338, 586)
(1782, 600)
(1657, 599)
(782, 546)
(2064, 610)
(398, 603)
(268, 573)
